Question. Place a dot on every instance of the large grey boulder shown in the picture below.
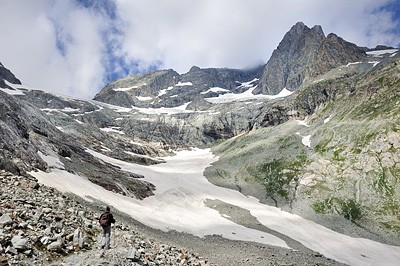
(133, 255)
(20, 242)
(55, 246)
(5, 219)
(79, 238)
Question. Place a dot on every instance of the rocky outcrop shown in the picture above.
(27, 135)
(305, 53)
(7, 75)
(334, 52)
(288, 63)
(131, 90)
(17, 151)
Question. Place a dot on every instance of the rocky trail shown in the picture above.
(41, 226)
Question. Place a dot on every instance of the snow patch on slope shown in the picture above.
(380, 53)
(214, 89)
(181, 84)
(245, 96)
(126, 89)
(164, 110)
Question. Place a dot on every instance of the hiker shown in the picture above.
(106, 219)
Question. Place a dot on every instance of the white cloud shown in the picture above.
(31, 32)
(66, 47)
(237, 34)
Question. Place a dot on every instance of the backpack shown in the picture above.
(105, 219)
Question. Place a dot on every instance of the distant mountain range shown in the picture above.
(343, 160)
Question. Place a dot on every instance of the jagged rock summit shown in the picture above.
(304, 54)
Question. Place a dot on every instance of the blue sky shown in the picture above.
(75, 47)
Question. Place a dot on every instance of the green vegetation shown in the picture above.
(351, 210)
(323, 206)
(382, 182)
(278, 174)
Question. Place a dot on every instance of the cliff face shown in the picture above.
(334, 52)
(289, 62)
(303, 54)
(7, 76)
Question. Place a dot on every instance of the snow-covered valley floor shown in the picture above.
(179, 204)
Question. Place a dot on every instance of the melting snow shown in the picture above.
(248, 84)
(214, 89)
(178, 204)
(245, 96)
(18, 88)
(374, 62)
(112, 129)
(12, 92)
(52, 161)
(328, 119)
(184, 84)
(164, 110)
(69, 110)
(355, 63)
(141, 98)
(379, 53)
(126, 89)
(303, 123)
(164, 91)
(306, 140)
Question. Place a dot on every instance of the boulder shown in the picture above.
(79, 238)
(5, 219)
(133, 255)
(55, 246)
(11, 250)
(20, 242)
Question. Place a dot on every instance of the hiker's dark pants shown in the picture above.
(106, 231)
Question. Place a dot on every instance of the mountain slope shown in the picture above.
(343, 163)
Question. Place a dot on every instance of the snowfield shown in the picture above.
(247, 95)
(178, 204)
(380, 53)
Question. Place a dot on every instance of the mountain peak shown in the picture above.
(305, 53)
(194, 68)
(286, 67)
(7, 75)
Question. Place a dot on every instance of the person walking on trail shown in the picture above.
(106, 219)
